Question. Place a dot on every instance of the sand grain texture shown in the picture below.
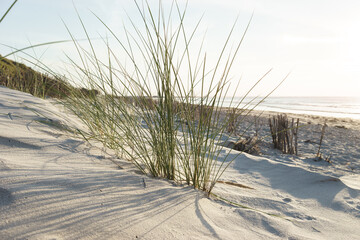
(54, 186)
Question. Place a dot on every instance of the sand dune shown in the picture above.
(55, 186)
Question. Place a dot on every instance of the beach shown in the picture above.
(340, 143)
(54, 185)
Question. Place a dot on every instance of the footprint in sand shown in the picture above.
(302, 216)
(45, 237)
(3, 165)
(5, 197)
(287, 200)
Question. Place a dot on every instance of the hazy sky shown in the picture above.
(318, 41)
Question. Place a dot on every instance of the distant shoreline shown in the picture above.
(340, 122)
(337, 107)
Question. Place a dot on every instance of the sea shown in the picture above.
(339, 107)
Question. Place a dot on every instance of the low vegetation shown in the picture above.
(23, 78)
(159, 105)
(165, 114)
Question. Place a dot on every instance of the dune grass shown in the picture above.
(163, 111)
(167, 122)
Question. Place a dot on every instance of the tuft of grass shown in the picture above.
(164, 112)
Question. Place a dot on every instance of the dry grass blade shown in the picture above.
(7, 11)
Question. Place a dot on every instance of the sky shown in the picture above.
(316, 41)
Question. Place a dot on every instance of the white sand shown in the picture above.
(53, 186)
(340, 143)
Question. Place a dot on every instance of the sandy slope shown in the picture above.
(53, 186)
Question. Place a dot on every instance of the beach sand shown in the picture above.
(56, 186)
(340, 143)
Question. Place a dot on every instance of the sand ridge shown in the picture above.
(55, 186)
